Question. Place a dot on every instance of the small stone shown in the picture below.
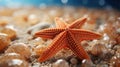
(4, 41)
(5, 12)
(53, 13)
(99, 50)
(73, 61)
(87, 63)
(116, 47)
(36, 65)
(3, 22)
(84, 43)
(10, 32)
(37, 41)
(37, 27)
(118, 30)
(102, 65)
(12, 60)
(112, 43)
(60, 63)
(40, 49)
(21, 49)
(89, 26)
(118, 39)
(86, 46)
(10, 56)
(20, 16)
(115, 61)
(14, 63)
(118, 53)
(33, 19)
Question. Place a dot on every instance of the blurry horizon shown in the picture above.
(76, 3)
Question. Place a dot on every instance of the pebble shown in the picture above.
(12, 60)
(60, 63)
(10, 32)
(116, 47)
(102, 65)
(3, 22)
(21, 49)
(87, 63)
(118, 53)
(118, 39)
(36, 65)
(73, 61)
(89, 26)
(37, 27)
(115, 61)
(20, 16)
(10, 56)
(4, 41)
(99, 50)
(118, 30)
(33, 19)
(40, 49)
(5, 11)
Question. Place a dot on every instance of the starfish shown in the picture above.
(66, 35)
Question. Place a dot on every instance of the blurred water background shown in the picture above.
(108, 4)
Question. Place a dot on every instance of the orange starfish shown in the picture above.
(65, 35)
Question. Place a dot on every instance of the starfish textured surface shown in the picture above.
(66, 35)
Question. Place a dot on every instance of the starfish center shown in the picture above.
(67, 29)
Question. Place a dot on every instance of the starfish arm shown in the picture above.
(80, 34)
(77, 48)
(78, 23)
(60, 23)
(48, 33)
(58, 43)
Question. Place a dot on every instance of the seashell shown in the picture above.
(21, 49)
(4, 41)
